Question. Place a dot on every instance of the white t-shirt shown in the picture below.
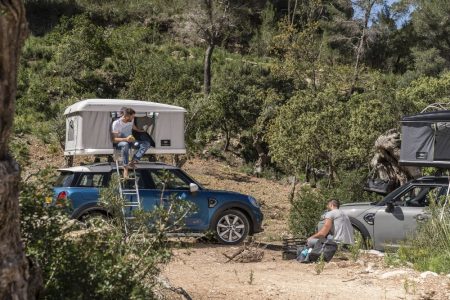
(122, 128)
(342, 229)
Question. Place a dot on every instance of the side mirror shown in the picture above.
(193, 187)
(390, 207)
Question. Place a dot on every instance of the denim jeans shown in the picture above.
(124, 148)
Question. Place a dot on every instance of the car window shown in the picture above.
(171, 180)
(91, 180)
(130, 184)
(64, 179)
(418, 196)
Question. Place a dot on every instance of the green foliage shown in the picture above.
(19, 150)
(429, 249)
(349, 187)
(306, 209)
(80, 262)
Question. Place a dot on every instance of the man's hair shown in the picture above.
(128, 111)
(334, 202)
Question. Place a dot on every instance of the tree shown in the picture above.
(215, 21)
(13, 264)
(432, 25)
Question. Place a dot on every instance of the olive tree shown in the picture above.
(14, 273)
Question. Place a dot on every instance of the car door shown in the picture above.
(393, 225)
(145, 193)
(172, 185)
(87, 189)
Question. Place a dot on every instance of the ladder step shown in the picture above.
(128, 190)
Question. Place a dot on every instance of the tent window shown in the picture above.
(70, 131)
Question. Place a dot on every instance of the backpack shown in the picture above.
(325, 248)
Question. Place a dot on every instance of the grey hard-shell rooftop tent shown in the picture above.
(426, 139)
(88, 126)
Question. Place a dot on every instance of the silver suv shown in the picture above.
(391, 220)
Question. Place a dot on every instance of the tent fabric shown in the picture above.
(89, 132)
(110, 105)
(426, 139)
(417, 142)
(442, 144)
(96, 130)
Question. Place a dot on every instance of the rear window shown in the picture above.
(92, 180)
(65, 179)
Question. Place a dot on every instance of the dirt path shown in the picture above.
(203, 272)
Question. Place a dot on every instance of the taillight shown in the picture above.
(61, 199)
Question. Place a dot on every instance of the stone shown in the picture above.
(393, 274)
(427, 274)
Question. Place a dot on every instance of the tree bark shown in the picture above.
(14, 274)
(207, 70)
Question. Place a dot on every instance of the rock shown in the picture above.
(427, 274)
(375, 252)
(393, 274)
(370, 267)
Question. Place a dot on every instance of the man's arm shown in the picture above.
(323, 232)
(117, 139)
(137, 129)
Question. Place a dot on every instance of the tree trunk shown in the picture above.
(13, 264)
(207, 70)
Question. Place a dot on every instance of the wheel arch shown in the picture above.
(90, 208)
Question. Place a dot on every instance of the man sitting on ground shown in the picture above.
(337, 226)
(123, 139)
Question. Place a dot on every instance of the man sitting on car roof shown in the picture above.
(123, 139)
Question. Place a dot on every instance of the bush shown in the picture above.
(429, 249)
(306, 209)
(349, 187)
(93, 262)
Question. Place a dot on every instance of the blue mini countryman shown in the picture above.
(231, 216)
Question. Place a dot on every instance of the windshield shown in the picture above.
(64, 179)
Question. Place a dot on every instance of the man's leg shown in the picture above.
(125, 151)
(143, 147)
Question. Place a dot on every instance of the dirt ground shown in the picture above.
(203, 271)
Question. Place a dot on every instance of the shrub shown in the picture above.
(429, 249)
(93, 262)
(306, 209)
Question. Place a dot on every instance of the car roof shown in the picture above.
(108, 167)
(431, 180)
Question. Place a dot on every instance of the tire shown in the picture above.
(231, 227)
(94, 219)
(361, 239)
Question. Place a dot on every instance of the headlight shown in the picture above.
(253, 201)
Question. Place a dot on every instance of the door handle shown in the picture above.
(421, 217)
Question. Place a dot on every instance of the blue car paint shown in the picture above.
(82, 199)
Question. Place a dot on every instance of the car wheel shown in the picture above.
(94, 219)
(231, 227)
(361, 240)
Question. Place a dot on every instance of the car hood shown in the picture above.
(357, 208)
(223, 192)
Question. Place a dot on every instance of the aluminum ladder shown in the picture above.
(130, 196)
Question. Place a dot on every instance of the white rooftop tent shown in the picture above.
(88, 126)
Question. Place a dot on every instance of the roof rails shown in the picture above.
(99, 164)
